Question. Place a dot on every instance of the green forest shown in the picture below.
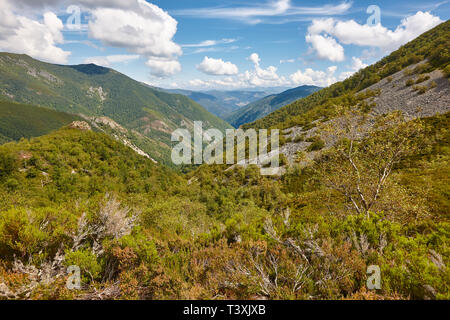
(140, 231)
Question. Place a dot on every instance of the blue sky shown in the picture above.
(205, 44)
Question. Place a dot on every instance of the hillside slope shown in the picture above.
(97, 91)
(263, 107)
(26, 121)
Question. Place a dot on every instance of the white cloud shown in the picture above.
(254, 57)
(314, 77)
(287, 61)
(357, 64)
(345, 75)
(351, 32)
(213, 49)
(217, 67)
(332, 69)
(326, 47)
(209, 43)
(106, 61)
(162, 68)
(142, 28)
(120, 4)
(38, 39)
(260, 77)
(268, 77)
(258, 13)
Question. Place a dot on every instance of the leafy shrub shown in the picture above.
(317, 144)
(421, 89)
(447, 71)
(422, 79)
(87, 261)
(300, 138)
(8, 163)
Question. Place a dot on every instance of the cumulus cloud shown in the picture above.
(357, 64)
(314, 77)
(106, 61)
(162, 68)
(217, 67)
(120, 4)
(143, 29)
(254, 57)
(326, 47)
(268, 77)
(38, 39)
(135, 25)
(351, 32)
(259, 77)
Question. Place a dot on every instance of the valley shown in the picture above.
(87, 181)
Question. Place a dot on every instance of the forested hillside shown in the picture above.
(92, 90)
(26, 121)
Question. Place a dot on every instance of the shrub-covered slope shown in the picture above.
(138, 231)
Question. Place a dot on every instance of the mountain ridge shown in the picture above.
(260, 108)
(95, 91)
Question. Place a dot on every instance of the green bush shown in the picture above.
(447, 71)
(422, 79)
(8, 163)
(317, 144)
(86, 260)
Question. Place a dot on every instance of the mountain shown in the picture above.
(26, 121)
(263, 107)
(94, 91)
(222, 103)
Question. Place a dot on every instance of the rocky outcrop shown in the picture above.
(80, 125)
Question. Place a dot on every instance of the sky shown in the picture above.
(226, 45)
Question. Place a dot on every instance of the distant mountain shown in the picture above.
(95, 91)
(222, 103)
(268, 104)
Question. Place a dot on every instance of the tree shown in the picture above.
(361, 162)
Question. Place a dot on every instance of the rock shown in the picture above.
(80, 125)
